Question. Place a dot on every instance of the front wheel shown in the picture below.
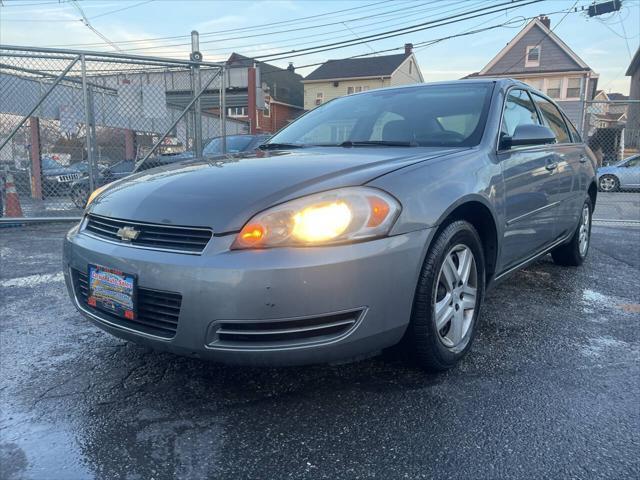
(448, 298)
(574, 253)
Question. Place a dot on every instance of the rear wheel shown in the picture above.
(573, 253)
(448, 297)
(609, 183)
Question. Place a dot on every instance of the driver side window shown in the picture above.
(518, 110)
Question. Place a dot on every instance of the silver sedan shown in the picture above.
(376, 218)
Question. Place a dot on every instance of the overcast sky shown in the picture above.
(605, 43)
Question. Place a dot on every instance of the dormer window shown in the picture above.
(533, 56)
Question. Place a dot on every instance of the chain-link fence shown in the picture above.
(71, 121)
(612, 130)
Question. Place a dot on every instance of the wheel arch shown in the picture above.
(477, 210)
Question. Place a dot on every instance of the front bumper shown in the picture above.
(374, 279)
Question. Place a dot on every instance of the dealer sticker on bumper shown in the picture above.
(112, 290)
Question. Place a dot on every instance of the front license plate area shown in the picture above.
(112, 291)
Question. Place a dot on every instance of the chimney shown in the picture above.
(291, 68)
(546, 21)
(408, 48)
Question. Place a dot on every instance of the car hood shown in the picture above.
(224, 192)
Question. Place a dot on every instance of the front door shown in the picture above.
(564, 188)
(529, 207)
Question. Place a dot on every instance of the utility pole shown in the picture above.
(196, 57)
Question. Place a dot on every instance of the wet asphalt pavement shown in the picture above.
(550, 390)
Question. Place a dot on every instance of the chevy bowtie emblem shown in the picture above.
(128, 233)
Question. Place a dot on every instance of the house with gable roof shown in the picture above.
(538, 57)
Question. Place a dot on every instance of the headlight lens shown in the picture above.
(331, 217)
(95, 193)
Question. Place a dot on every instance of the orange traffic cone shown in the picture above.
(12, 207)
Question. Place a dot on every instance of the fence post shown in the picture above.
(223, 108)
(36, 166)
(251, 95)
(87, 123)
(197, 87)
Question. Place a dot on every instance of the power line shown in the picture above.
(253, 27)
(244, 48)
(32, 4)
(401, 31)
(298, 29)
(91, 27)
(68, 20)
(121, 9)
(427, 43)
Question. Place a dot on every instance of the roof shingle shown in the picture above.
(357, 67)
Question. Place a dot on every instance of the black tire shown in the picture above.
(424, 339)
(608, 186)
(571, 254)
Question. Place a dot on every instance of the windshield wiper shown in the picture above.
(381, 143)
(279, 146)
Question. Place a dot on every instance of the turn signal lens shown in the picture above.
(336, 216)
(252, 234)
(379, 211)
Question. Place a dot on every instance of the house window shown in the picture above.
(537, 83)
(319, 98)
(554, 87)
(357, 89)
(410, 67)
(237, 111)
(533, 56)
(573, 88)
(267, 109)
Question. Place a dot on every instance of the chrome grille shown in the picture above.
(151, 235)
(157, 311)
(283, 332)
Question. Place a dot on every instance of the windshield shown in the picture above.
(235, 143)
(435, 115)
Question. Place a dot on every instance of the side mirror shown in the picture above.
(528, 135)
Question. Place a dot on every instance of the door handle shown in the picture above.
(551, 166)
(583, 158)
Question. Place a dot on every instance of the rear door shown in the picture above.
(529, 207)
(564, 180)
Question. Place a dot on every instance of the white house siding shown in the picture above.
(329, 91)
(573, 109)
(406, 74)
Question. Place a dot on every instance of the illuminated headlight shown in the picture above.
(336, 216)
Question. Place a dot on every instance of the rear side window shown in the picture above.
(553, 119)
(518, 110)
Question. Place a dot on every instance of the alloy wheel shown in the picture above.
(455, 296)
(583, 233)
(607, 184)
